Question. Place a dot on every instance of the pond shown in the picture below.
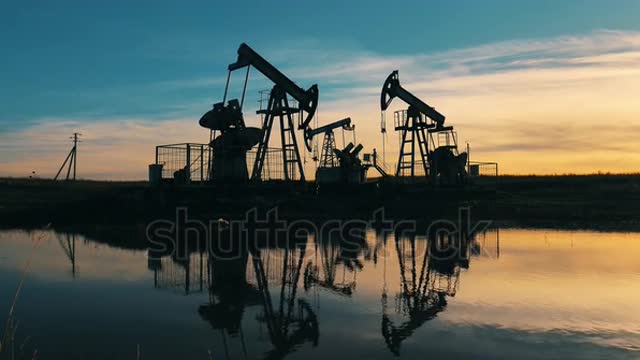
(530, 294)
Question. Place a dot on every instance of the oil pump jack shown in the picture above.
(438, 156)
(278, 106)
(337, 166)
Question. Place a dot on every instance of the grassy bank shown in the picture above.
(593, 201)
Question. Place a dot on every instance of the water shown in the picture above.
(512, 293)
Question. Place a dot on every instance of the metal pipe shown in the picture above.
(244, 89)
(226, 87)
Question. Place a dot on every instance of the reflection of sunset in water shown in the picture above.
(50, 258)
(573, 292)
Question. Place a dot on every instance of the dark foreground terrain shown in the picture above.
(593, 201)
(508, 291)
(590, 201)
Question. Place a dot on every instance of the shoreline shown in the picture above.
(573, 202)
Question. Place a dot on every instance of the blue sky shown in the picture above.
(88, 62)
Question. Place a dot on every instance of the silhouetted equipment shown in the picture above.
(372, 160)
(229, 118)
(327, 130)
(351, 170)
(229, 163)
(414, 124)
(72, 158)
(392, 89)
(181, 164)
(223, 117)
(237, 153)
(451, 168)
(483, 168)
(337, 166)
(307, 99)
(155, 173)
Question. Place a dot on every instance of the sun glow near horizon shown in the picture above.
(558, 105)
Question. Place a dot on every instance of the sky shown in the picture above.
(541, 87)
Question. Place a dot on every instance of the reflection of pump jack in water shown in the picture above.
(331, 256)
(278, 322)
(229, 294)
(290, 323)
(425, 285)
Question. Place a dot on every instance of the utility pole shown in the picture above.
(72, 158)
(75, 153)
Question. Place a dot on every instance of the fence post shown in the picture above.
(188, 167)
(201, 164)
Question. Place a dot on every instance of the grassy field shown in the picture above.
(592, 201)
(32, 202)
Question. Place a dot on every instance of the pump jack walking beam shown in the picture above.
(392, 89)
(278, 107)
(310, 133)
(307, 99)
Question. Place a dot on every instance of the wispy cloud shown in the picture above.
(544, 105)
(564, 104)
(433, 70)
